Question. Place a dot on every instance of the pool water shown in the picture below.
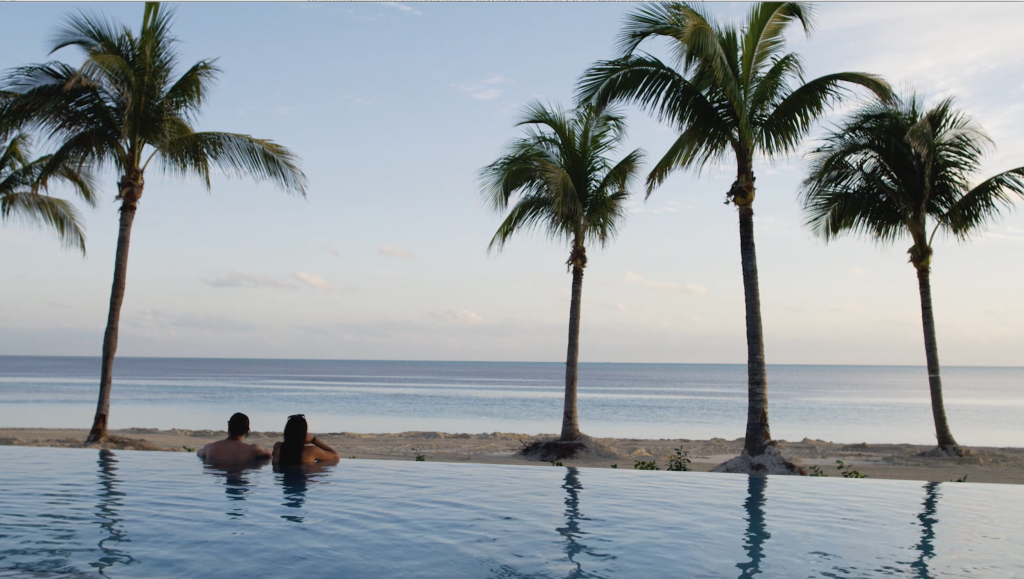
(87, 513)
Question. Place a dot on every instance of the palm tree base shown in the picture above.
(551, 449)
(769, 462)
(947, 451)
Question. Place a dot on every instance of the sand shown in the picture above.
(882, 461)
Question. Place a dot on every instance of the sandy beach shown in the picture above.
(881, 461)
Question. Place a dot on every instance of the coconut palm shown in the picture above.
(896, 170)
(125, 107)
(21, 183)
(732, 93)
(564, 184)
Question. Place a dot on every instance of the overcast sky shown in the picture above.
(393, 109)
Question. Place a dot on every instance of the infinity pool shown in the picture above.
(86, 513)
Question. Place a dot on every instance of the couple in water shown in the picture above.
(298, 447)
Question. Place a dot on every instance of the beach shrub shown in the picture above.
(615, 466)
(189, 449)
(557, 463)
(815, 470)
(420, 457)
(646, 465)
(848, 471)
(961, 479)
(680, 461)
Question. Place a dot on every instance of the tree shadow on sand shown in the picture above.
(572, 535)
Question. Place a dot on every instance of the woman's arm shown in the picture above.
(323, 452)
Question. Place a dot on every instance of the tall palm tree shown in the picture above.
(730, 91)
(895, 170)
(565, 184)
(21, 183)
(124, 107)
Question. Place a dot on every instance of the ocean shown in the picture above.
(852, 404)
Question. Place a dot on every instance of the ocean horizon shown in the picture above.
(838, 403)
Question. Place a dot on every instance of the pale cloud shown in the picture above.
(404, 8)
(314, 280)
(459, 317)
(331, 250)
(486, 95)
(392, 251)
(237, 279)
(484, 89)
(672, 287)
(858, 271)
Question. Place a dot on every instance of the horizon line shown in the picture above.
(98, 357)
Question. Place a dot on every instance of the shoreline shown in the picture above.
(882, 461)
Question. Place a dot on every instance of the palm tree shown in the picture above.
(564, 184)
(888, 170)
(732, 90)
(124, 107)
(21, 181)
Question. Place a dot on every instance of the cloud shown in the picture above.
(679, 288)
(332, 250)
(404, 8)
(392, 251)
(237, 279)
(313, 280)
(484, 89)
(858, 271)
(459, 317)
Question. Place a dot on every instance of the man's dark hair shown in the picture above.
(238, 425)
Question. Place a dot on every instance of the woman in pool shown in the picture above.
(300, 447)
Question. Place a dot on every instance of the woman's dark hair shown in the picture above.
(295, 431)
(238, 425)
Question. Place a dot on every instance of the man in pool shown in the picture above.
(232, 449)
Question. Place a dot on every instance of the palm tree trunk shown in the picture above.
(570, 418)
(758, 434)
(99, 425)
(931, 349)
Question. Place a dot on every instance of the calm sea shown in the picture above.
(871, 404)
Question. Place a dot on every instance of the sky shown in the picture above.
(394, 108)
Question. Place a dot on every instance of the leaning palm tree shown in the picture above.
(564, 184)
(894, 171)
(23, 181)
(124, 107)
(731, 93)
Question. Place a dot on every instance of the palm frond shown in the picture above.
(782, 130)
(892, 166)
(651, 20)
(765, 34)
(983, 203)
(243, 155)
(38, 209)
(559, 175)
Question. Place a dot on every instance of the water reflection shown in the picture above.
(295, 481)
(110, 500)
(572, 534)
(927, 518)
(236, 481)
(757, 532)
